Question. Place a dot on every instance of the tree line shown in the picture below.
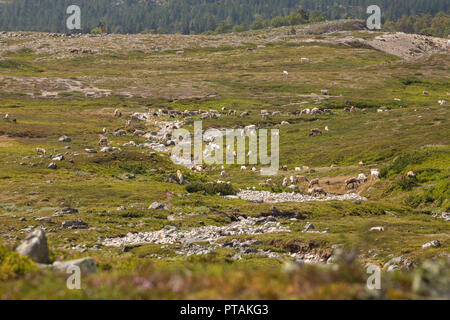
(215, 16)
(426, 24)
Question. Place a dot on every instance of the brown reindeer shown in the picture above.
(314, 132)
(352, 181)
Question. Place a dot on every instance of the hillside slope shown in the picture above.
(226, 233)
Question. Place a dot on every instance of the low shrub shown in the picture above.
(13, 265)
(135, 168)
(406, 183)
(210, 188)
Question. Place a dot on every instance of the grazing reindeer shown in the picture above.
(117, 113)
(352, 181)
(374, 173)
(317, 191)
(103, 141)
(315, 131)
(313, 182)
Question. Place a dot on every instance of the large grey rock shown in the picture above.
(64, 139)
(75, 224)
(86, 265)
(35, 246)
(432, 244)
(157, 206)
(392, 267)
(129, 176)
(445, 216)
(393, 262)
(59, 157)
(44, 219)
(69, 210)
(52, 165)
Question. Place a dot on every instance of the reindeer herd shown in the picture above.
(314, 187)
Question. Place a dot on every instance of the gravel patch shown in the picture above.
(170, 234)
(266, 196)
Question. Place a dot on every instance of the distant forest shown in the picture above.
(217, 16)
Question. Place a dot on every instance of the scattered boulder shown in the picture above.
(44, 219)
(120, 132)
(64, 139)
(276, 213)
(69, 210)
(106, 149)
(392, 268)
(59, 157)
(52, 165)
(158, 206)
(75, 224)
(129, 144)
(128, 176)
(393, 263)
(444, 215)
(35, 246)
(86, 265)
(431, 244)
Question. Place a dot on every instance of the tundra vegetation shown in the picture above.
(384, 128)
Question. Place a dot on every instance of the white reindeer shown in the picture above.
(374, 173)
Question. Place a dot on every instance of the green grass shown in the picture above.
(410, 136)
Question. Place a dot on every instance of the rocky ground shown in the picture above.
(410, 46)
(265, 196)
(86, 127)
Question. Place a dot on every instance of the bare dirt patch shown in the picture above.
(409, 46)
